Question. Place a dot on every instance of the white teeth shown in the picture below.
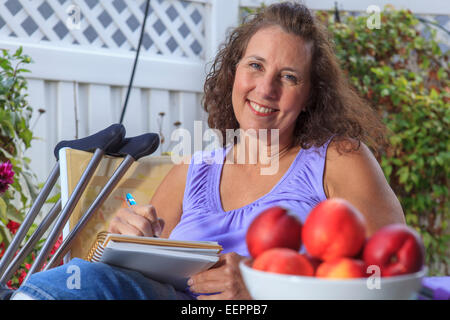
(261, 109)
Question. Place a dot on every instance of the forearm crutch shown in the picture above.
(105, 141)
(133, 149)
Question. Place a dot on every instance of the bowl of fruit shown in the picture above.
(338, 261)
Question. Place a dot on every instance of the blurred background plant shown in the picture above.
(402, 72)
(18, 184)
(15, 138)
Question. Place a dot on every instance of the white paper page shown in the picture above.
(148, 248)
(160, 265)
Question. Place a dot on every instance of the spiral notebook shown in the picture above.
(165, 260)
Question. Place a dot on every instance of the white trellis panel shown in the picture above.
(173, 28)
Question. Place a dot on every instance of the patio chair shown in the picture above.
(94, 172)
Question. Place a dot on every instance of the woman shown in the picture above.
(276, 71)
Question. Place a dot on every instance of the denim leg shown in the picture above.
(83, 280)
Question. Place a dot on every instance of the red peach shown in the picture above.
(283, 260)
(396, 249)
(333, 229)
(341, 268)
(274, 228)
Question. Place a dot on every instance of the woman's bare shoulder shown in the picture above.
(349, 159)
(357, 177)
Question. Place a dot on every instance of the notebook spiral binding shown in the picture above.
(96, 250)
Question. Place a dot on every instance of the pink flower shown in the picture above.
(6, 176)
(9, 284)
(22, 276)
(13, 226)
(56, 246)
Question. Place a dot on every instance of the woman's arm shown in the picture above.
(358, 178)
(168, 197)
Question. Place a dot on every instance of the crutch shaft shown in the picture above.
(66, 212)
(98, 202)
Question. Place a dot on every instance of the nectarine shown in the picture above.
(341, 268)
(274, 228)
(283, 260)
(333, 229)
(396, 249)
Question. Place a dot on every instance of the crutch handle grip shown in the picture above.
(139, 146)
(108, 140)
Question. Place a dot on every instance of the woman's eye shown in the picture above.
(256, 66)
(291, 78)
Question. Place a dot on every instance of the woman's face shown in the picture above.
(272, 82)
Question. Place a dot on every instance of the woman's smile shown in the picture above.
(260, 110)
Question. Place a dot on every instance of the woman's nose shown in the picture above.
(267, 87)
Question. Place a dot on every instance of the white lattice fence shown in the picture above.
(173, 28)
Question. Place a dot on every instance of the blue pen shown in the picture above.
(130, 199)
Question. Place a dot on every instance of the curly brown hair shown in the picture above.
(334, 109)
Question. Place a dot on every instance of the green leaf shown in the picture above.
(14, 214)
(3, 208)
(18, 52)
(54, 199)
(433, 94)
(385, 92)
(403, 173)
(440, 159)
(388, 170)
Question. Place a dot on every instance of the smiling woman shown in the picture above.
(276, 72)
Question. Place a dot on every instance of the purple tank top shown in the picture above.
(203, 218)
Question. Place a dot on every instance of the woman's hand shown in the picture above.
(224, 278)
(137, 221)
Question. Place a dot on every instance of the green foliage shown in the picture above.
(15, 135)
(15, 138)
(405, 77)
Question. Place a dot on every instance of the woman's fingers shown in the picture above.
(137, 220)
(223, 280)
(203, 281)
(149, 212)
(120, 226)
(141, 223)
(158, 227)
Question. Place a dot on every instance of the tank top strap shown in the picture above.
(200, 178)
(308, 173)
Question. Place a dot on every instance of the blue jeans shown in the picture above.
(83, 280)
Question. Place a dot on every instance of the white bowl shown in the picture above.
(273, 286)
